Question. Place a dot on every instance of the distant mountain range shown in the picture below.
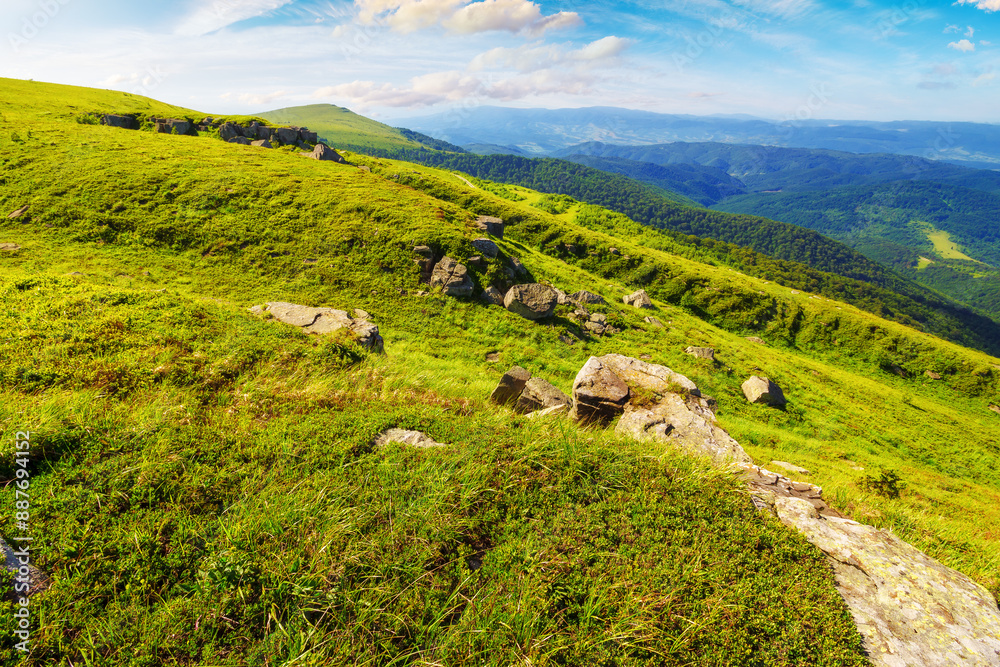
(546, 131)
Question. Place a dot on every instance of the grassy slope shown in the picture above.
(206, 492)
(341, 127)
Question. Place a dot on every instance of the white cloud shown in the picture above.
(464, 17)
(984, 79)
(217, 14)
(985, 42)
(951, 28)
(963, 45)
(987, 5)
(602, 52)
(785, 9)
(970, 32)
(258, 100)
(604, 48)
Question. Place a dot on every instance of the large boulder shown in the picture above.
(911, 610)
(324, 152)
(598, 394)
(490, 225)
(453, 278)
(686, 421)
(652, 378)
(307, 136)
(229, 131)
(126, 122)
(638, 299)
(759, 389)
(174, 126)
(583, 297)
(538, 394)
(323, 321)
(511, 385)
(286, 136)
(531, 301)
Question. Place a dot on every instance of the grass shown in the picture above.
(205, 490)
(942, 242)
(339, 126)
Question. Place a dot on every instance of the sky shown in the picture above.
(777, 59)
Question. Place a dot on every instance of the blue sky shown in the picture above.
(782, 59)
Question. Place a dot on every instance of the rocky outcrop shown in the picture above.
(453, 278)
(324, 152)
(286, 135)
(911, 610)
(412, 438)
(124, 122)
(490, 225)
(701, 352)
(487, 247)
(583, 297)
(323, 321)
(531, 301)
(759, 389)
(638, 299)
(425, 263)
(174, 126)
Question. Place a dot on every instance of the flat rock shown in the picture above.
(411, 438)
(911, 610)
(511, 385)
(532, 301)
(487, 247)
(598, 393)
(323, 321)
(584, 297)
(453, 278)
(9, 247)
(701, 352)
(539, 394)
(638, 299)
(687, 422)
(759, 389)
(124, 122)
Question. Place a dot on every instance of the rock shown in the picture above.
(240, 141)
(125, 122)
(424, 251)
(598, 394)
(477, 262)
(614, 251)
(490, 225)
(531, 301)
(324, 152)
(326, 320)
(995, 408)
(638, 299)
(261, 143)
(517, 266)
(361, 314)
(286, 136)
(539, 394)
(595, 328)
(911, 610)
(562, 299)
(655, 322)
(493, 357)
(649, 377)
(412, 438)
(790, 467)
(229, 131)
(584, 297)
(511, 385)
(555, 410)
(759, 389)
(701, 352)
(487, 247)
(932, 375)
(365, 168)
(492, 296)
(307, 136)
(898, 370)
(452, 277)
(18, 213)
(174, 126)
(37, 580)
(563, 338)
(754, 339)
(9, 247)
(688, 422)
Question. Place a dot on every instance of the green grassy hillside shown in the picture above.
(204, 487)
(343, 128)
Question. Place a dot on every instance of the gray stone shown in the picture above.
(423, 251)
(326, 320)
(911, 610)
(655, 322)
(18, 213)
(932, 375)
(453, 278)
(241, 141)
(411, 438)
(229, 131)
(614, 251)
(598, 394)
(324, 152)
(125, 122)
(286, 136)
(759, 389)
(755, 339)
(510, 386)
(584, 297)
(492, 296)
(638, 299)
(490, 225)
(701, 352)
(539, 394)
(487, 247)
(517, 266)
(261, 143)
(531, 301)
(174, 126)
(653, 378)
(37, 580)
(686, 421)
(307, 136)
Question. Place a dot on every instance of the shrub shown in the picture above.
(888, 484)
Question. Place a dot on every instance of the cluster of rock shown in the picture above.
(911, 610)
(324, 321)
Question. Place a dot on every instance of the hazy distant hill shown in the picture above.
(544, 131)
